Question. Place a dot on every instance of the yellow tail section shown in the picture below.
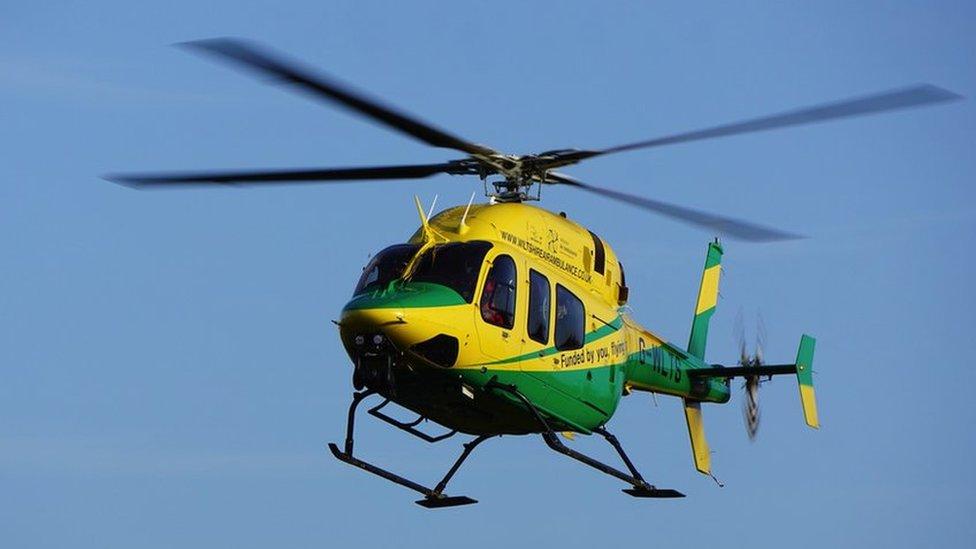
(809, 401)
(708, 292)
(696, 432)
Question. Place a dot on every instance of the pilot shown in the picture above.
(490, 314)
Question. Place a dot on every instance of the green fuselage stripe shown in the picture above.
(410, 295)
(590, 337)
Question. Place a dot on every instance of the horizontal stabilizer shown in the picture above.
(803, 370)
(743, 371)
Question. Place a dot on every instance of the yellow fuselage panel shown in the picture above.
(549, 243)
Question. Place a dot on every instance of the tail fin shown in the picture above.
(696, 432)
(707, 298)
(803, 370)
(804, 376)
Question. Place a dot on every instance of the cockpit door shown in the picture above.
(496, 316)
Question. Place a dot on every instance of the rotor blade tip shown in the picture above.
(119, 179)
(218, 45)
(785, 237)
(936, 93)
(759, 234)
(192, 44)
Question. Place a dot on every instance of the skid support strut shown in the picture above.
(408, 427)
(639, 487)
(433, 498)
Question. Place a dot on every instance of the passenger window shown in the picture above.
(570, 320)
(623, 292)
(498, 295)
(600, 255)
(539, 300)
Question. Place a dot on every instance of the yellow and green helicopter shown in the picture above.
(506, 319)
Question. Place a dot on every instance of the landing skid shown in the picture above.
(653, 493)
(639, 487)
(445, 501)
(434, 498)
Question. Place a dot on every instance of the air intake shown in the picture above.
(441, 349)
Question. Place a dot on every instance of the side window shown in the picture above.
(623, 292)
(600, 255)
(498, 294)
(539, 301)
(570, 320)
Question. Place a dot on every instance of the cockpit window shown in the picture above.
(455, 265)
(498, 296)
(385, 267)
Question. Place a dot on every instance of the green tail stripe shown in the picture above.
(699, 333)
(714, 255)
(804, 360)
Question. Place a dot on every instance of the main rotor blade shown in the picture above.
(145, 180)
(915, 96)
(253, 57)
(735, 228)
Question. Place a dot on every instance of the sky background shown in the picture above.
(169, 375)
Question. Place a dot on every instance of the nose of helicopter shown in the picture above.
(426, 320)
(400, 326)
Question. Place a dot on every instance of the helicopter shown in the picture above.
(503, 318)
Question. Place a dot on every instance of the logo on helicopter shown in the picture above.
(547, 256)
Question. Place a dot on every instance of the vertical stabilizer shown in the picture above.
(707, 298)
(804, 376)
(696, 432)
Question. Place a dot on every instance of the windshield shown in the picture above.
(385, 267)
(455, 265)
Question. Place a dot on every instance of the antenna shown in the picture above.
(420, 211)
(430, 212)
(461, 225)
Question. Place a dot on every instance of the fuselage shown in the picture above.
(512, 294)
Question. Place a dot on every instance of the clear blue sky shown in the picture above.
(169, 372)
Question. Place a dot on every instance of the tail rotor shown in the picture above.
(750, 388)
